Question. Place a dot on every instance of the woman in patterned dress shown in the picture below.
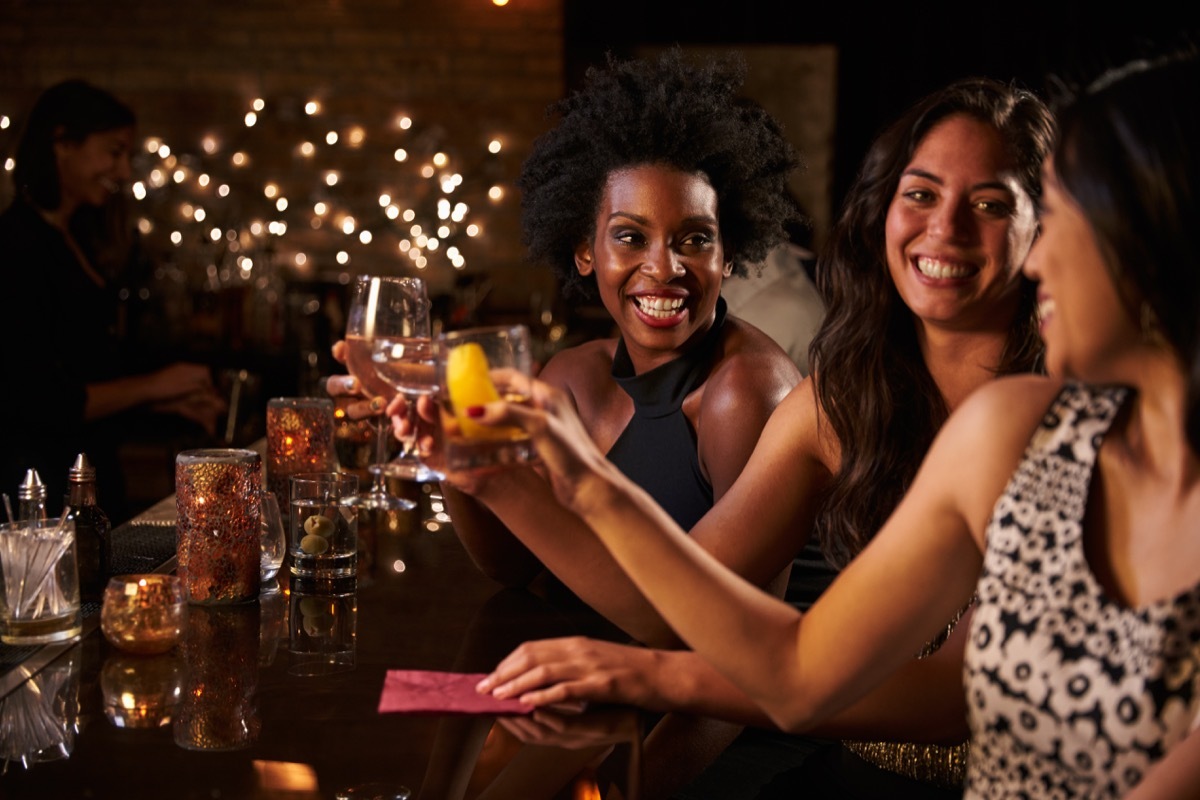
(1068, 507)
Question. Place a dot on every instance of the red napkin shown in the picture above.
(415, 690)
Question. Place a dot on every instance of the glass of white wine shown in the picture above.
(383, 309)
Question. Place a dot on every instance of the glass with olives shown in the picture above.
(323, 539)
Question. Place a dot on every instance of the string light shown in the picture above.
(186, 174)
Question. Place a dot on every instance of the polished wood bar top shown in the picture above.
(231, 712)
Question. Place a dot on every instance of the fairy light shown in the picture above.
(145, 226)
(9, 164)
(4, 122)
(425, 233)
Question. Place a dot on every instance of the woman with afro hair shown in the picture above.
(656, 185)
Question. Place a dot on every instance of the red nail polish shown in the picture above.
(475, 412)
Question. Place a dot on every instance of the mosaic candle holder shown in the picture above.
(217, 496)
(299, 439)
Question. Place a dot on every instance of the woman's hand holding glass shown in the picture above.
(548, 416)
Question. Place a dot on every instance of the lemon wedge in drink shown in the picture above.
(469, 384)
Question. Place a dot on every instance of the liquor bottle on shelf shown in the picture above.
(92, 530)
(31, 497)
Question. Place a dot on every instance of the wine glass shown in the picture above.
(382, 307)
(407, 364)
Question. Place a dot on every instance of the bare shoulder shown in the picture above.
(580, 370)
(751, 368)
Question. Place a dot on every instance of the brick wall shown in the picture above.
(464, 71)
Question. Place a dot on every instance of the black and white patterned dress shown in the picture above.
(1070, 693)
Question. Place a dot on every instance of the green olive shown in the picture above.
(319, 625)
(314, 545)
(319, 525)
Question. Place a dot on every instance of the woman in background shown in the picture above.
(1068, 509)
(60, 323)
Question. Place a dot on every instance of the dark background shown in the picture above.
(890, 54)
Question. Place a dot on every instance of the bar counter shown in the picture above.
(225, 714)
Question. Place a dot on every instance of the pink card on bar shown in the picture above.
(416, 691)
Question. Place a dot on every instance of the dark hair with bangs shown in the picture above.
(1127, 157)
(656, 112)
(870, 378)
(66, 112)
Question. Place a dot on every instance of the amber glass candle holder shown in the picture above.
(217, 497)
(299, 439)
(143, 614)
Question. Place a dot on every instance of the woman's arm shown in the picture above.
(922, 701)
(1176, 777)
(784, 474)
(916, 574)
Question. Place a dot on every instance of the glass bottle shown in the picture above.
(92, 530)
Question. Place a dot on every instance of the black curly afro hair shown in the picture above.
(656, 112)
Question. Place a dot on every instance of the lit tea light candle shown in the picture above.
(143, 613)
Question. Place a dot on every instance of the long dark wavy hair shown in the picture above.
(871, 380)
(1127, 156)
